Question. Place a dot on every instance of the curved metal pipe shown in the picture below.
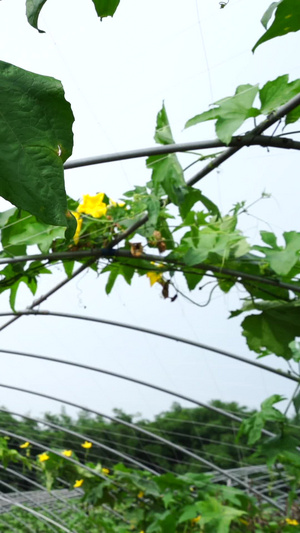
(156, 437)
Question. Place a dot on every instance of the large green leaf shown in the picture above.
(35, 140)
(106, 8)
(273, 330)
(287, 19)
(33, 9)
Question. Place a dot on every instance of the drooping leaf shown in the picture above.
(293, 116)
(36, 132)
(273, 329)
(190, 196)
(287, 19)
(33, 9)
(192, 279)
(106, 8)
(116, 270)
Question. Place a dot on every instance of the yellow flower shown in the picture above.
(195, 520)
(24, 445)
(78, 483)
(67, 453)
(291, 522)
(87, 445)
(93, 205)
(79, 226)
(43, 457)
(141, 494)
(105, 471)
(154, 277)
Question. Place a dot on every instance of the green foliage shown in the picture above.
(287, 19)
(191, 237)
(273, 329)
(233, 111)
(33, 150)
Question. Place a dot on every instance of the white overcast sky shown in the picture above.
(116, 73)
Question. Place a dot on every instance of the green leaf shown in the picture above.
(273, 329)
(293, 116)
(269, 238)
(106, 8)
(221, 515)
(268, 14)
(287, 19)
(153, 208)
(163, 133)
(296, 402)
(167, 174)
(35, 140)
(198, 254)
(190, 512)
(252, 427)
(28, 231)
(233, 111)
(192, 279)
(116, 270)
(189, 196)
(282, 260)
(68, 267)
(277, 92)
(212, 114)
(33, 9)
